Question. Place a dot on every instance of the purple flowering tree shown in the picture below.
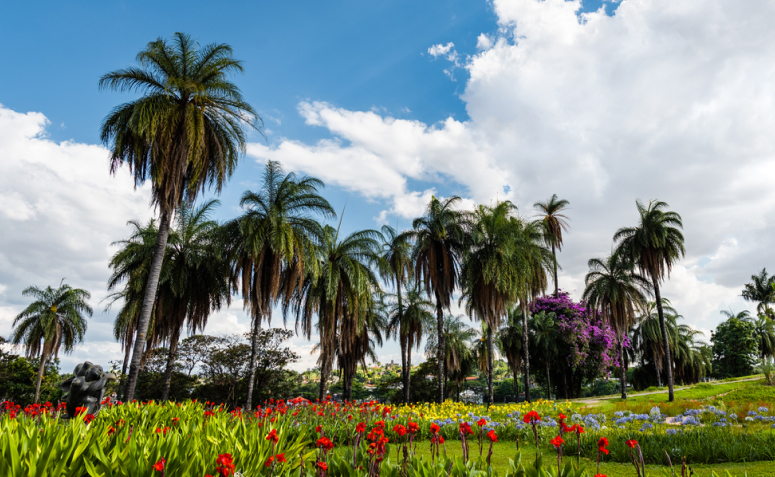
(585, 349)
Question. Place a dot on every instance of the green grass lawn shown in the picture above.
(502, 452)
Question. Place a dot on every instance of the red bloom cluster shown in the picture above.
(225, 465)
(493, 437)
(465, 429)
(531, 417)
(325, 443)
(602, 445)
(557, 442)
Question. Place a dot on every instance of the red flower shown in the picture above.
(602, 443)
(531, 417)
(269, 461)
(272, 436)
(441, 440)
(281, 457)
(481, 422)
(557, 442)
(413, 427)
(225, 464)
(318, 428)
(434, 428)
(399, 429)
(361, 427)
(88, 418)
(175, 420)
(325, 443)
(111, 430)
(492, 436)
(159, 466)
(465, 428)
(579, 429)
(561, 416)
(631, 443)
(322, 466)
(600, 475)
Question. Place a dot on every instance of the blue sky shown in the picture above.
(390, 102)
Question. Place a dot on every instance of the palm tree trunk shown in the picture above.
(489, 366)
(556, 285)
(148, 301)
(404, 368)
(441, 351)
(253, 353)
(526, 353)
(41, 370)
(458, 390)
(515, 370)
(173, 351)
(548, 382)
(623, 371)
(668, 361)
(325, 372)
(122, 382)
(407, 381)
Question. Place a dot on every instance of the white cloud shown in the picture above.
(667, 99)
(59, 211)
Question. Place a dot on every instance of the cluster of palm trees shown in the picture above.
(619, 286)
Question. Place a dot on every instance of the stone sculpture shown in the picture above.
(86, 388)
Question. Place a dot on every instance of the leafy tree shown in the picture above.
(554, 224)
(184, 134)
(440, 237)
(734, 348)
(275, 236)
(760, 290)
(18, 378)
(615, 289)
(356, 344)
(655, 244)
(395, 265)
(458, 355)
(647, 339)
(54, 319)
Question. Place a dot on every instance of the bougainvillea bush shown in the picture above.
(585, 347)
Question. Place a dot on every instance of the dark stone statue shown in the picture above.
(86, 388)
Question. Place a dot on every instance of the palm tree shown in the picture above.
(396, 267)
(544, 326)
(197, 281)
(358, 342)
(184, 133)
(54, 318)
(510, 342)
(533, 260)
(409, 325)
(655, 245)
(647, 339)
(764, 332)
(761, 290)
(614, 288)
(275, 235)
(457, 341)
(340, 293)
(440, 237)
(490, 275)
(554, 224)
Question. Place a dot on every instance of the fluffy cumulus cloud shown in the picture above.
(665, 99)
(60, 210)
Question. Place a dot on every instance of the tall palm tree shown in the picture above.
(409, 325)
(197, 282)
(510, 341)
(614, 288)
(457, 341)
(544, 326)
(56, 317)
(554, 224)
(185, 133)
(764, 332)
(340, 293)
(395, 266)
(655, 245)
(760, 290)
(275, 236)
(490, 275)
(533, 260)
(440, 237)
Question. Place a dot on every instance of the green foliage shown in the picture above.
(734, 348)
(18, 375)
